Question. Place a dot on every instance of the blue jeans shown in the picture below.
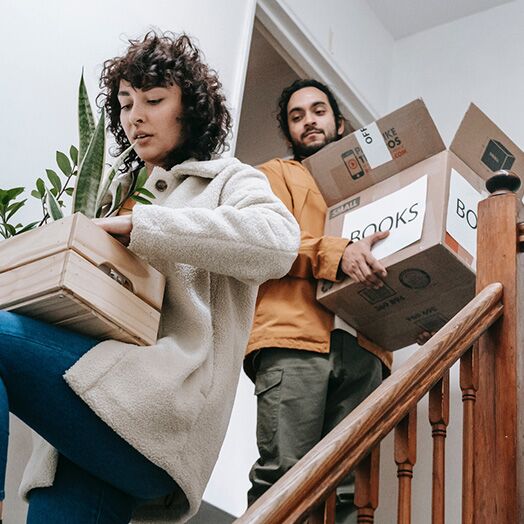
(100, 477)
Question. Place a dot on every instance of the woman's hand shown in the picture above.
(120, 227)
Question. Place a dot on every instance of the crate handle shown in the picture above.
(113, 273)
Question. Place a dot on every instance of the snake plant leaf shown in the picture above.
(86, 121)
(90, 173)
(111, 174)
(53, 207)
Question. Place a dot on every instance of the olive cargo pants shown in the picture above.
(302, 396)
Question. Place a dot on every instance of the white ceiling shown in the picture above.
(406, 17)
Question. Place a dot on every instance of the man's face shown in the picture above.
(311, 122)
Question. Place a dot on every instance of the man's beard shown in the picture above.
(302, 151)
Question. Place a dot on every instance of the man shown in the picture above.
(309, 369)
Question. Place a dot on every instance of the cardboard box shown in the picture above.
(375, 152)
(73, 274)
(430, 210)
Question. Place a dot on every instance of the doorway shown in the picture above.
(259, 138)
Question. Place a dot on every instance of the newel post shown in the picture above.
(499, 439)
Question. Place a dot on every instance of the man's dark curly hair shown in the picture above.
(287, 93)
(160, 60)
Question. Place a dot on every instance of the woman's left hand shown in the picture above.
(120, 227)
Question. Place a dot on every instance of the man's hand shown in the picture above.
(120, 227)
(358, 262)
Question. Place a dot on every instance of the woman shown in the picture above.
(133, 429)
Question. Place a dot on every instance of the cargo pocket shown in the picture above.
(267, 390)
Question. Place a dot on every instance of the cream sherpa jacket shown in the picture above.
(216, 233)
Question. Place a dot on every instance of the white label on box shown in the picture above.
(401, 213)
(461, 221)
(370, 140)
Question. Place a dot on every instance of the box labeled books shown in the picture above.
(73, 274)
(430, 211)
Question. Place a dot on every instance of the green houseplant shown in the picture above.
(81, 176)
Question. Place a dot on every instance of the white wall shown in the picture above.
(46, 44)
(351, 34)
(44, 47)
(475, 59)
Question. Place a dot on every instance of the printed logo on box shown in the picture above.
(373, 296)
(394, 143)
(496, 156)
(345, 207)
(355, 165)
(401, 213)
(372, 143)
(461, 220)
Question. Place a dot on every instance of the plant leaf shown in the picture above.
(111, 174)
(90, 173)
(140, 199)
(141, 178)
(36, 194)
(70, 190)
(40, 187)
(145, 192)
(73, 153)
(63, 163)
(13, 208)
(117, 203)
(54, 179)
(86, 121)
(53, 207)
(27, 228)
(7, 195)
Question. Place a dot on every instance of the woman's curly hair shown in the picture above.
(163, 60)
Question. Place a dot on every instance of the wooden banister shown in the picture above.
(318, 473)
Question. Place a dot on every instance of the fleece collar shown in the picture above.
(201, 168)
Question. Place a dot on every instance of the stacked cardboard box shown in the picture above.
(427, 198)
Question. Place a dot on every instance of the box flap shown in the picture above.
(484, 147)
(375, 152)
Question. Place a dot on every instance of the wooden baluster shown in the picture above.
(325, 512)
(329, 509)
(439, 418)
(366, 486)
(468, 385)
(405, 457)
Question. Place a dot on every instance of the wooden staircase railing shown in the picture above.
(491, 380)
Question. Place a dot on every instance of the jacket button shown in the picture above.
(161, 185)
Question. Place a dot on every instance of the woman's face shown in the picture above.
(153, 119)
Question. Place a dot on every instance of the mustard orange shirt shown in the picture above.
(287, 312)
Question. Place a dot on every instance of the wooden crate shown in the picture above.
(73, 274)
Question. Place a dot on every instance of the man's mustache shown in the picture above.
(309, 131)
